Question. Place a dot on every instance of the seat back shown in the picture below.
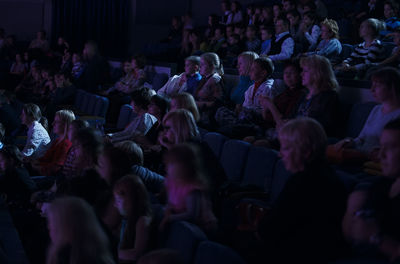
(215, 141)
(357, 118)
(233, 158)
(124, 116)
(213, 253)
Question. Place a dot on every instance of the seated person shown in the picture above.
(185, 101)
(282, 45)
(252, 42)
(366, 54)
(311, 30)
(392, 20)
(143, 121)
(304, 223)
(394, 58)
(329, 46)
(186, 81)
(370, 223)
(386, 92)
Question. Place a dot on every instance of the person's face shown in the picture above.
(388, 11)
(232, 40)
(218, 33)
(229, 31)
(287, 6)
(104, 167)
(326, 33)
(265, 35)
(134, 64)
(58, 126)
(365, 30)
(257, 73)
(250, 33)
(135, 108)
(190, 67)
(168, 133)
(39, 35)
(153, 109)
(75, 58)
(224, 7)
(59, 80)
(119, 204)
(277, 10)
(280, 27)
(26, 56)
(291, 77)
(292, 20)
(4, 163)
(18, 58)
(389, 153)
(380, 92)
(127, 67)
(205, 68)
(60, 41)
(242, 66)
(307, 21)
(292, 158)
(306, 76)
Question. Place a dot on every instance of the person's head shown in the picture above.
(303, 141)
(176, 22)
(159, 106)
(88, 144)
(61, 40)
(90, 50)
(293, 17)
(261, 69)
(292, 74)
(113, 163)
(385, 85)
(161, 256)
(266, 13)
(185, 101)
(288, 5)
(210, 63)
(131, 198)
(219, 32)
(62, 120)
(75, 126)
(41, 35)
(229, 30)
(73, 224)
(317, 73)
(18, 58)
(133, 150)
(62, 79)
(371, 27)
(233, 39)
(277, 9)
(30, 113)
(76, 57)
(389, 152)
(250, 9)
(184, 165)
(281, 25)
(225, 5)
(192, 64)
(10, 157)
(309, 18)
(329, 29)
(309, 6)
(266, 33)
(212, 20)
(390, 9)
(179, 126)
(138, 62)
(140, 99)
(239, 29)
(245, 60)
(251, 32)
(127, 66)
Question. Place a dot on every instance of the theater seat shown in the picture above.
(213, 253)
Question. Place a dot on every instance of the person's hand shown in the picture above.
(266, 102)
(344, 143)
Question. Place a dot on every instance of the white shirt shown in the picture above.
(287, 48)
(253, 101)
(172, 86)
(138, 127)
(37, 141)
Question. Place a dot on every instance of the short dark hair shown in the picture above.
(284, 20)
(141, 97)
(140, 60)
(161, 102)
(266, 64)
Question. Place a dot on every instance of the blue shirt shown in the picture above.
(237, 95)
(192, 82)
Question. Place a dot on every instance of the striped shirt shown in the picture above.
(362, 57)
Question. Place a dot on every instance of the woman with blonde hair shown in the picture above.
(76, 234)
(179, 127)
(185, 101)
(54, 158)
(329, 46)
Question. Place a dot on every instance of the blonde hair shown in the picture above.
(249, 57)
(78, 229)
(183, 125)
(186, 101)
(66, 117)
(332, 26)
(307, 135)
(323, 76)
(213, 60)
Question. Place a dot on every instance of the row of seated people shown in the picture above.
(305, 219)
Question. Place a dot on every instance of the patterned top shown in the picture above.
(138, 127)
(362, 57)
(37, 142)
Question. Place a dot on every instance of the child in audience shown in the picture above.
(141, 124)
(392, 21)
(185, 101)
(38, 139)
(186, 81)
(132, 201)
(187, 189)
(232, 49)
(394, 59)
(266, 36)
(310, 28)
(78, 67)
(76, 234)
(252, 42)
